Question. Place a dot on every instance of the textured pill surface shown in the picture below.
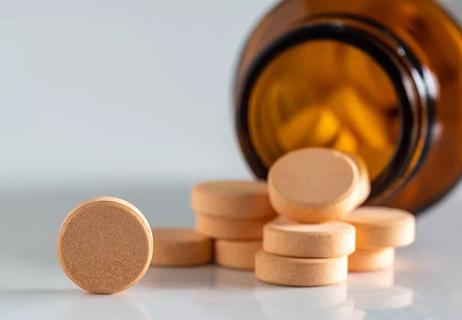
(379, 227)
(230, 229)
(232, 199)
(371, 260)
(298, 272)
(236, 254)
(180, 247)
(324, 240)
(314, 185)
(105, 245)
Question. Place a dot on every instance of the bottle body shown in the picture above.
(378, 79)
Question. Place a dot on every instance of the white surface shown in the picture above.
(426, 282)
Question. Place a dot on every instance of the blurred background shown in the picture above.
(121, 90)
(96, 90)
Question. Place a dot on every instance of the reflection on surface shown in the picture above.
(228, 298)
(384, 299)
(212, 292)
(329, 302)
(90, 306)
(371, 280)
(227, 304)
(198, 278)
(225, 278)
(178, 278)
(32, 285)
(377, 291)
(312, 298)
(216, 289)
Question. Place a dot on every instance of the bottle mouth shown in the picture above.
(411, 82)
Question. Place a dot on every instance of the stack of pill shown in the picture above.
(310, 189)
(316, 191)
(378, 232)
(233, 213)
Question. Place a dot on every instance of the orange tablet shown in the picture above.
(314, 185)
(176, 247)
(105, 245)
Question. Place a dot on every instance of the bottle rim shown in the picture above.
(412, 82)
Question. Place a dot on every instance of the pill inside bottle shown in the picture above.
(325, 94)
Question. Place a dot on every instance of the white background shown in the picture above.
(120, 89)
(132, 98)
(114, 89)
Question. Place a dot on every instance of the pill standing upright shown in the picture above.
(105, 245)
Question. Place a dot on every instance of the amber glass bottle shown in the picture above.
(381, 79)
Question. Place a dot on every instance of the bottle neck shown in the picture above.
(412, 82)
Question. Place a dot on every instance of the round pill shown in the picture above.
(378, 227)
(105, 245)
(232, 199)
(180, 247)
(299, 272)
(236, 254)
(314, 185)
(371, 260)
(325, 240)
(230, 229)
